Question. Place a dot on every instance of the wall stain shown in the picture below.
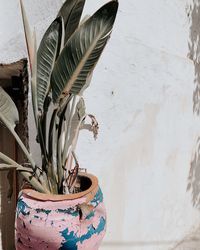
(193, 14)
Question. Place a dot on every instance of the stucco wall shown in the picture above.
(142, 95)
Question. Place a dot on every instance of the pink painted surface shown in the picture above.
(58, 225)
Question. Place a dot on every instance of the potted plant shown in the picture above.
(63, 206)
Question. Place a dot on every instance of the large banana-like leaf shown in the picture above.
(82, 52)
(34, 80)
(71, 12)
(9, 117)
(73, 128)
(28, 35)
(46, 56)
(8, 110)
(52, 145)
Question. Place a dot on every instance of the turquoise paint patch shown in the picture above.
(92, 230)
(41, 210)
(71, 238)
(22, 207)
(98, 198)
(71, 211)
(90, 215)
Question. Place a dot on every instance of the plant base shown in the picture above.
(61, 221)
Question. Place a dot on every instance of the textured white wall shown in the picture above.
(142, 95)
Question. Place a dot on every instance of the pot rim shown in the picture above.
(88, 193)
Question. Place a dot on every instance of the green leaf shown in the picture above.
(9, 117)
(82, 51)
(4, 166)
(28, 35)
(73, 129)
(8, 110)
(71, 12)
(34, 80)
(52, 145)
(80, 108)
(46, 56)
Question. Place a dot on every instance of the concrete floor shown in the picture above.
(192, 242)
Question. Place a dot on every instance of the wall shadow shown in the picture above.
(193, 13)
(194, 177)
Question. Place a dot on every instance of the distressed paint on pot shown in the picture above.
(55, 222)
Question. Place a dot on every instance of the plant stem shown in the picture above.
(27, 175)
(35, 168)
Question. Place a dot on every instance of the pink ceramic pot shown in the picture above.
(59, 221)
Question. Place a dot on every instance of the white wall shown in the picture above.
(142, 95)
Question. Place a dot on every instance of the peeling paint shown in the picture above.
(72, 239)
(57, 225)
